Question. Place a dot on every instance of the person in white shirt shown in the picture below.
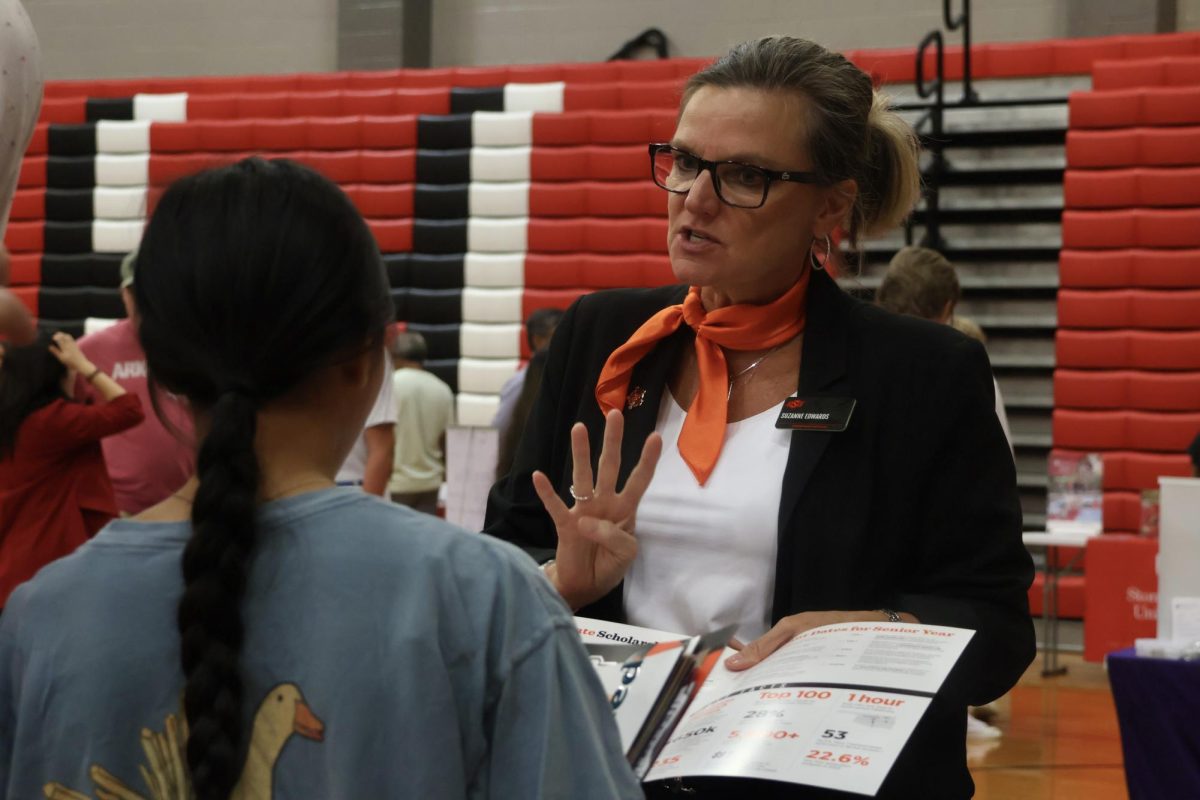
(369, 464)
(424, 408)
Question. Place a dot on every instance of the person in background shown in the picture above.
(923, 283)
(510, 438)
(149, 461)
(1194, 454)
(539, 329)
(369, 463)
(324, 644)
(54, 491)
(20, 100)
(424, 410)
(729, 516)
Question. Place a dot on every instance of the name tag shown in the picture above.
(830, 414)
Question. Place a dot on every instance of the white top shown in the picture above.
(706, 554)
(383, 413)
(424, 409)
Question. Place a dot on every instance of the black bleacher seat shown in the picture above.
(70, 172)
(429, 306)
(444, 341)
(446, 369)
(72, 140)
(428, 271)
(466, 100)
(444, 132)
(70, 205)
(88, 269)
(80, 302)
(441, 201)
(443, 166)
(71, 326)
(99, 108)
(68, 237)
(439, 236)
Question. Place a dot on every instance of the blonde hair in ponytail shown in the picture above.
(892, 162)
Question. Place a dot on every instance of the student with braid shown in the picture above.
(322, 643)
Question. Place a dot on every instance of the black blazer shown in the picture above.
(913, 507)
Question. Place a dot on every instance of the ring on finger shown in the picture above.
(577, 497)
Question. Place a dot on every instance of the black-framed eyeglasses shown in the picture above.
(737, 184)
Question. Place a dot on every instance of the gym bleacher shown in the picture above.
(493, 191)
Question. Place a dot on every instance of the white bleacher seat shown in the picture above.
(491, 305)
(485, 375)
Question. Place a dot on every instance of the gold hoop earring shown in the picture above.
(817, 263)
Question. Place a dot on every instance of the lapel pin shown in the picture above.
(635, 398)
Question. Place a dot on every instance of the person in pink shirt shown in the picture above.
(149, 461)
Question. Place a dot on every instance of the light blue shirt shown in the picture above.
(387, 655)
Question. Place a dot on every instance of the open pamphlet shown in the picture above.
(832, 708)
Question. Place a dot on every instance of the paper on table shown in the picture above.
(1185, 619)
(470, 471)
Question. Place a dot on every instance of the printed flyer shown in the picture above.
(833, 708)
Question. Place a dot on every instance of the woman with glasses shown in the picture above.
(754, 447)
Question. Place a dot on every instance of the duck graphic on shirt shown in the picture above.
(281, 714)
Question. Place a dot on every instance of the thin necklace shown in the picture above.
(759, 360)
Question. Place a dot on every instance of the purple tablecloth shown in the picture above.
(1158, 708)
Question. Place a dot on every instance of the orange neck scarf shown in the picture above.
(737, 327)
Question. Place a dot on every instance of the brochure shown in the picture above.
(833, 708)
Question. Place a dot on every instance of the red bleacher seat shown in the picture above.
(392, 235)
(557, 271)
(1077, 56)
(1126, 389)
(623, 96)
(378, 102)
(29, 237)
(28, 204)
(533, 299)
(622, 163)
(1089, 230)
(382, 201)
(25, 270)
(1122, 108)
(1122, 512)
(597, 199)
(1185, 43)
(1129, 268)
(604, 127)
(1169, 309)
(33, 173)
(28, 295)
(1169, 350)
(1134, 73)
(1138, 471)
(1124, 430)
(635, 235)
(1125, 188)
(344, 167)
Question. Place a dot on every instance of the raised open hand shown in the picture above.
(596, 541)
